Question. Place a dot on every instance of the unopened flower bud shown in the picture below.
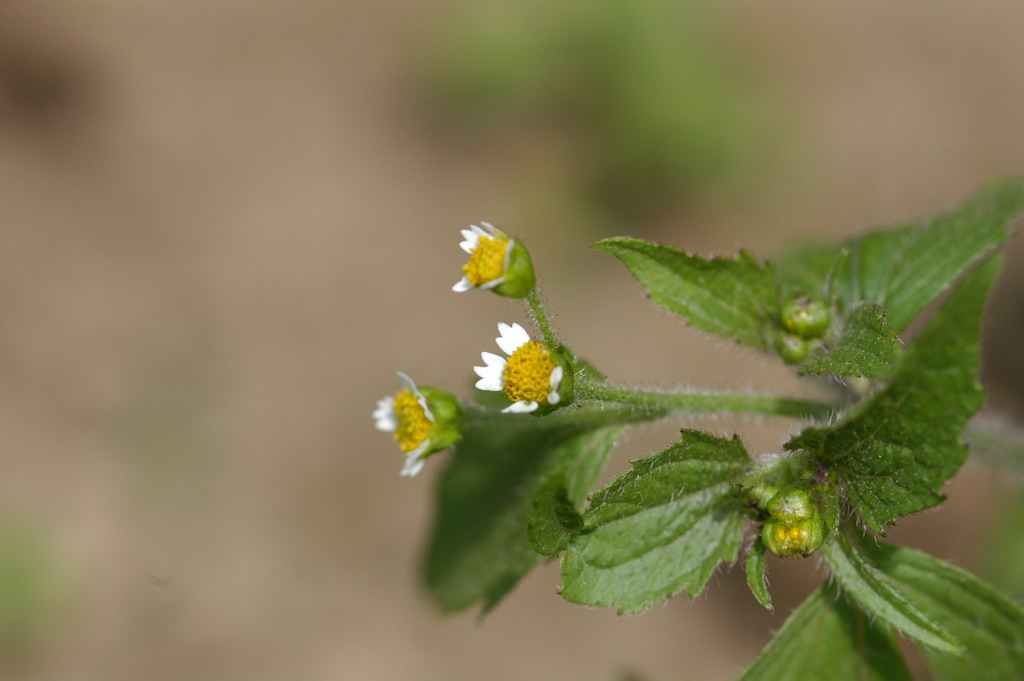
(794, 349)
(806, 316)
(795, 527)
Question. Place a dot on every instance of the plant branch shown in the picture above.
(689, 402)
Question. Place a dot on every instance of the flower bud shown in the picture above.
(795, 527)
(794, 349)
(806, 316)
(762, 493)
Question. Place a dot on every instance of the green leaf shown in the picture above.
(906, 267)
(867, 347)
(661, 527)
(480, 546)
(757, 580)
(988, 624)
(827, 494)
(738, 298)
(828, 638)
(879, 596)
(554, 520)
(894, 451)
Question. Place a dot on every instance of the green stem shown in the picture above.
(587, 416)
(540, 315)
(703, 402)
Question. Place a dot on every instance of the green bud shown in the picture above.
(762, 493)
(795, 527)
(794, 349)
(806, 316)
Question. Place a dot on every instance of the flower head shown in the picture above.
(424, 420)
(795, 526)
(533, 376)
(496, 262)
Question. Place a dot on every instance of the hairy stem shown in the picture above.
(703, 402)
(587, 416)
(540, 315)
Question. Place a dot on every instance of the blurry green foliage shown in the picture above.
(998, 444)
(25, 583)
(639, 94)
(1004, 562)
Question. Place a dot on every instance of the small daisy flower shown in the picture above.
(533, 376)
(424, 420)
(497, 262)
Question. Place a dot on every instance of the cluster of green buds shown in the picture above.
(535, 375)
(805, 321)
(794, 526)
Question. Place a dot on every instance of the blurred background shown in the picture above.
(223, 227)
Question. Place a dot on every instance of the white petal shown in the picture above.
(462, 285)
(520, 407)
(413, 464)
(491, 375)
(426, 407)
(410, 385)
(492, 283)
(406, 382)
(384, 415)
(421, 450)
(508, 255)
(470, 241)
(478, 231)
(512, 337)
(490, 384)
(493, 361)
(495, 232)
(556, 380)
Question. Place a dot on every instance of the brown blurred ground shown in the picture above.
(223, 227)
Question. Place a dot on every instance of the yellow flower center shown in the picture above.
(487, 262)
(528, 373)
(791, 537)
(413, 425)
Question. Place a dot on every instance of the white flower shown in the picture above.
(530, 377)
(408, 416)
(490, 250)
